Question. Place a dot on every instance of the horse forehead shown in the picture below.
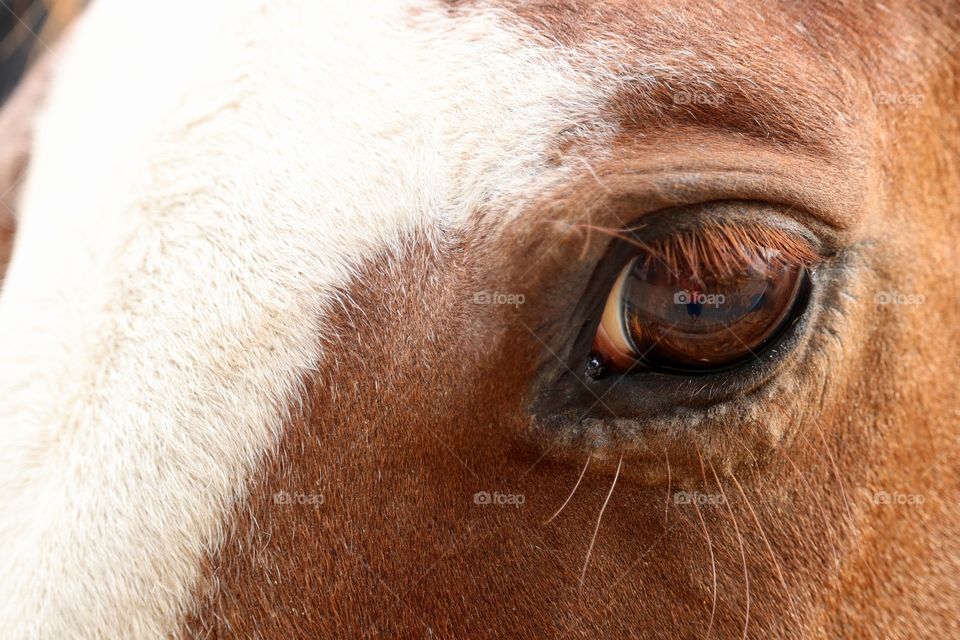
(690, 40)
(644, 21)
(172, 291)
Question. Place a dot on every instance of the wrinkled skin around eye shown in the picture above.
(661, 318)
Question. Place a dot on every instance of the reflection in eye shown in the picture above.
(703, 300)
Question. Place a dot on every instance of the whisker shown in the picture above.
(833, 464)
(619, 234)
(818, 502)
(594, 174)
(756, 461)
(586, 242)
(843, 492)
(743, 553)
(596, 530)
(766, 541)
(713, 566)
(587, 464)
(713, 562)
(602, 186)
(823, 514)
(666, 506)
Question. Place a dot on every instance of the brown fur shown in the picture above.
(423, 401)
(423, 397)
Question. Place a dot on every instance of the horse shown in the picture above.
(483, 318)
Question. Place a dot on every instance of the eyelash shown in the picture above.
(720, 248)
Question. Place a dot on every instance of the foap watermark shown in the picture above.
(895, 297)
(695, 497)
(698, 297)
(296, 497)
(699, 97)
(499, 499)
(897, 498)
(495, 297)
(901, 100)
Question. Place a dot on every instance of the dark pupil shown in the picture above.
(696, 321)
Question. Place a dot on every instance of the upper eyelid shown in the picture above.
(675, 174)
(624, 193)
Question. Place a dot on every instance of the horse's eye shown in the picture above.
(701, 314)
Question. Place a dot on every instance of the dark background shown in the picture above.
(27, 29)
(17, 45)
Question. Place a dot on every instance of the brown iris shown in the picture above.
(683, 307)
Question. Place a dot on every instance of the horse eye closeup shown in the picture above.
(702, 301)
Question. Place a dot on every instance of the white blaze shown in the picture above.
(206, 176)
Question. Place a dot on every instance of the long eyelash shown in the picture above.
(719, 250)
(726, 249)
